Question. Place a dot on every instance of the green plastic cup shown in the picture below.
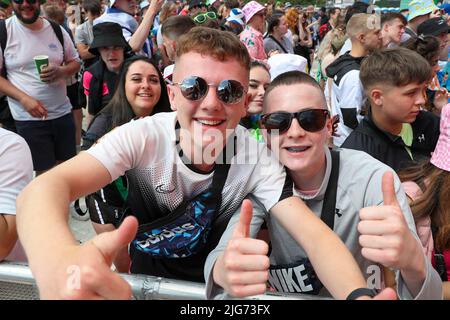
(40, 61)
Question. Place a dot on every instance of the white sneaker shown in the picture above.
(76, 215)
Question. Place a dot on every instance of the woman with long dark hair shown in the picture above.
(428, 187)
(141, 92)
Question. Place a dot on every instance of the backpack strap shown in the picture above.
(3, 38)
(278, 43)
(329, 202)
(58, 31)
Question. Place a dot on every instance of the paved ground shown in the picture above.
(82, 229)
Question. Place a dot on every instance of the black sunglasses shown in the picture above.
(311, 120)
(195, 88)
(22, 1)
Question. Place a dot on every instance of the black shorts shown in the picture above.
(49, 140)
(81, 96)
(72, 94)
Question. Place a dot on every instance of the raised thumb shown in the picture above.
(242, 229)
(109, 243)
(388, 189)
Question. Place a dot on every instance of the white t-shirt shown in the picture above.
(16, 169)
(22, 45)
(146, 150)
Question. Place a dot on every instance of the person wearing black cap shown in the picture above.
(99, 79)
(438, 28)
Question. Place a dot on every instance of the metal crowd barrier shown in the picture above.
(17, 283)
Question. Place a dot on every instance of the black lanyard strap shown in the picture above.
(329, 201)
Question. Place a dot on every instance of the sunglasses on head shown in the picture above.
(311, 120)
(22, 1)
(203, 17)
(195, 88)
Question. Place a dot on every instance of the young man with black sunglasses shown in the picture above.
(367, 210)
(167, 169)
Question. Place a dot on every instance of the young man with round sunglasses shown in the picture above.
(369, 212)
(166, 166)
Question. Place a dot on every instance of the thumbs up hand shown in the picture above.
(385, 237)
(242, 269)
(84, 272)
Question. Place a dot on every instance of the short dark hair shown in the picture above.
(391, 16)
(231, 4)
(394, 67)
(175, 26)
(332, 10)
(291, 78)
(92, 6)
(357, 7)
(258, 64)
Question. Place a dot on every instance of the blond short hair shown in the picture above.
(222, 45)
(362, 23)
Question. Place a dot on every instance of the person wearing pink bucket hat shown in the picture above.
(428, 187)
(252, 35)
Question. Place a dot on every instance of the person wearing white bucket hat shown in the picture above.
(284, 62)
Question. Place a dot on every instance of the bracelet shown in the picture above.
(362, 292)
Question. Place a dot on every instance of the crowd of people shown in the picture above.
(250, 146)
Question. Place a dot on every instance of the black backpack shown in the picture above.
(6, 118)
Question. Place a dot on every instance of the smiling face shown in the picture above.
(27, 12)
(208, 120)
(142, 88)
(259, 80)
(300, 151)
(394, 30)
(113, 57)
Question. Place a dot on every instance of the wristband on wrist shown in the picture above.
(362, 292)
